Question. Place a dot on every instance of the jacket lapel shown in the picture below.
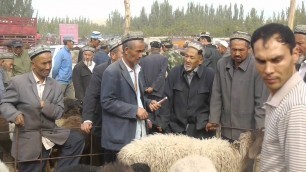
(34, 86)
(47, 89)
(126, 75)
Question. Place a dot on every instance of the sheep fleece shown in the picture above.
(160, 152)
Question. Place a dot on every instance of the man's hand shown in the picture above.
(86, 127)
(142, 114)
(154, 105)
(19, 121)
(211, 126)
(149, 90)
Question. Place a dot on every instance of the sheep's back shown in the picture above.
(160, 152)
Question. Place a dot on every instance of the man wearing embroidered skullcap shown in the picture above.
(62, 67)
(124, 107)
(6, 65)
(300, 39)
(238, 91)
(33, 101)
(188, 88)
(82, 72)
(92, 105)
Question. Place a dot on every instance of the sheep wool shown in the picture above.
(3, 167)
(160, 151)
(193, 163)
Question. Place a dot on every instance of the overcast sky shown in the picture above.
(98, 10)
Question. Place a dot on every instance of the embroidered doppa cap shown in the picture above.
(39, 50)
(114, 43)
(132, 35)
(241, 35)
(300, 29)
(96, 35)
(6, 56)
(196, 45)
(88, 48)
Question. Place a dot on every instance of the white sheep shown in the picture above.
(193, 163)
(160, 152)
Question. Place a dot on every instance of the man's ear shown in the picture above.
(295, 54)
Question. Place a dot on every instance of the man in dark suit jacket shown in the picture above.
(91, 105)
(122, 99)
(33, 101)
(154, 67)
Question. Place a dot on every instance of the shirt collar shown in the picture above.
(274, 100)
(243, 66)
(37, 80)
(136, 68)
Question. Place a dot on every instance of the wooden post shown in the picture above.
(127, 16)
(291, 14)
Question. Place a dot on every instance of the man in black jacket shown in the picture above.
(188, 89)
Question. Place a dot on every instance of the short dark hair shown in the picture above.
(265, 32)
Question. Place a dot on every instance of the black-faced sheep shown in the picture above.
(160, 152)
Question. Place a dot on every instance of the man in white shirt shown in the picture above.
(33, 101)
(122, 99)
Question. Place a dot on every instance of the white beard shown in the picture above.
(88, 63)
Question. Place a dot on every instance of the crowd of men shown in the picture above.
(246, 83)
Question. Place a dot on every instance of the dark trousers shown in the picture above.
(110, 156)
(73, 146)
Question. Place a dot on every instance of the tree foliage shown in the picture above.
(163, 20)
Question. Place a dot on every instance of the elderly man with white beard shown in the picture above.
(82, 72)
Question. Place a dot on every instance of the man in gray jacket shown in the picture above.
(238, 91)
(33, 101)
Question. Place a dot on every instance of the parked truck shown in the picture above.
(21, 28)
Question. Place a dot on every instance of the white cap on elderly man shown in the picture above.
(223, 43)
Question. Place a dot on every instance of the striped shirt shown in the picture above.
(284, 145)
